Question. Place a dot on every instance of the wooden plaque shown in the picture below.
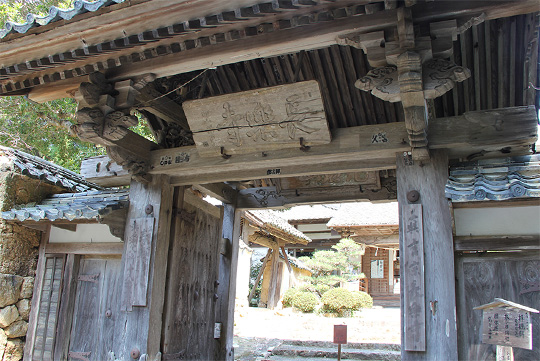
(414, 309)
(138, 252)
(259, 120)
(507, 326)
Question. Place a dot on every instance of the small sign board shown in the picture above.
(340, 334)
(264, 119)
(507, 323)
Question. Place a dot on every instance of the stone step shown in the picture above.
(305, 352)
(363, 346)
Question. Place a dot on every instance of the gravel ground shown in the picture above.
(376, 325)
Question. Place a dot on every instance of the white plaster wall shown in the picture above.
(497, 221)
(243, 271)
(85, 233)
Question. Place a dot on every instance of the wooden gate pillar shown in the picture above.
(227, 282)
(144, 264)
(428, 300)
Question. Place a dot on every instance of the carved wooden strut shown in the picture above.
(411, 69)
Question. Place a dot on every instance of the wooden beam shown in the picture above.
(86, 248)
(198, 202)
(250, 198)
(497, 243)
(470, 133)
(220, 191)
(259, 275)
(267, 45)
(262, 240)
(352, 149)
(103, 171)
(151, 100)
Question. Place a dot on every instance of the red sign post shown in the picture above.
(340, 337)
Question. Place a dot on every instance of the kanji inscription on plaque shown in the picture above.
(259, 120)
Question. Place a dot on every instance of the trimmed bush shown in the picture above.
(305, 301)
(287, 300)
(342, 301)
(366, 301)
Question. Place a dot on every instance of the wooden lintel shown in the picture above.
(86, 248)
(248, 199)
(219, 191)
(353, 149)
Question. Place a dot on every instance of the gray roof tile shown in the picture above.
(71, 206)
(55, 14)
(36, 167)
(495, 179)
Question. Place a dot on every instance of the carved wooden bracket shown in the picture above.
(103, 118)
(438, 77)
(411, 68)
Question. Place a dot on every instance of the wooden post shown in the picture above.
(227, 282)
(438, 303)
(142, 325)
(272, 301)
(261, 272)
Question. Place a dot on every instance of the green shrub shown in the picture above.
(366, 301)
(305, 301)
(341, 301)
(288, 297)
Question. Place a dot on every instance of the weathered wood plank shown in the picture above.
(139, 233)
(258, 120)
(36, 298)
(190, 303)
(413, 281)
(65, 315)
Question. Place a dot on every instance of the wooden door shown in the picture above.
(192, 287)
(96, 309)
(481, 277)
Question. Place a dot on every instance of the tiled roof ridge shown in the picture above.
(495, 179)
(21, 159)
(83, 205)
(55, 14)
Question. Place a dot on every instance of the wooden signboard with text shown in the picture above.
(413, 287)
(259, 120)
(507, 323)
